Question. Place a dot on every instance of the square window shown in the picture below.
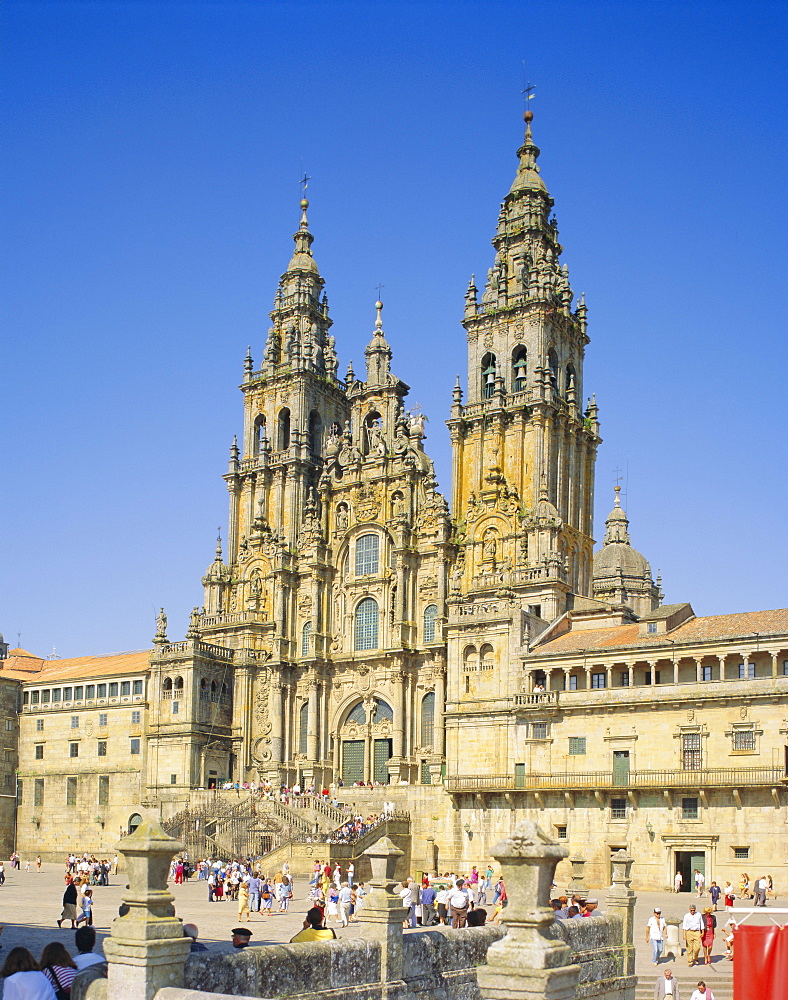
(71, 791)
(45, 697)
(90, 692)
(539, 730)
(34, 697)
(135, 746)
(746, 670)
(9, 725)
(624, 679)
(173, 779)
(743, 739)
(101, 748)
(75, 722)
(176, 707)
(125, 688)
(598, 680)
(690, 751)
(67, 693)
(39, 751)
(651, 628)
(101, 690)
(7, 780)
(741, 853)
(705, 673)
(618, 808)
(689, 808)
(113, 689)
(102, 720)
(560, 832)
(73, 749)
(39, 725)
(135, 718)
(55, 694)
(78, 693)
(137, 688)
(577, 745)
(573, 682)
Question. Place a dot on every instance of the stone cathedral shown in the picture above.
(477, 658)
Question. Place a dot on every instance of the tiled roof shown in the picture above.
(715, 627)
(52, 671)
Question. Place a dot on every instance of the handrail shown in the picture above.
(731, 777)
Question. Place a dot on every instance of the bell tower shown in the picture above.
(523, 447)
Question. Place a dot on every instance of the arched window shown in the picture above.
(167, 685)
(367, 549)
(303, 720)
(178, 685)
(214, 691)
(519, 369)
(430, 614)
(259, 434)
(488, 376)
(358, 715)
(306, 635)
(383, 712)
(470, 658)
(552, 364)
(428, 719)
(367, 624)
(486, 657)
(315, 433)
(134, 821)
(283, 428)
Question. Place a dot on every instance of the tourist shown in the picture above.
(69, 904)
(702, 992)
(428, 895)
(192, 931)
(666, 986)
(728, 896)
(714, 892)
(38, 863)
(727, 936)
(770, 887)
(709, 926)
(442, 903)
(458, 905)
(284, 893)
(678, 881)
(243, 902)
(692, 930)
(314, 928)
(700, 881)
(477, 917)
(87, 908)
(254, 886)
(23, 979)
(761, 885)
(332, 901)
(59, 968)
(343, 903)
(590, 908)
(85, 941)
(240, 937)
(656, 929)
(406, 895)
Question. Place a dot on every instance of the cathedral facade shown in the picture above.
(479, 659)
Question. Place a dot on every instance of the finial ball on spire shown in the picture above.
(304, 204)
(378, 304)
(528, 116)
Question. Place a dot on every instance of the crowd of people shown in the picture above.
(50, 977)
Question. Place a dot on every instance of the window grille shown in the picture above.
(430, 614)
(367, 554)
(427, 721)
(367, 623)
(618, 808)
(690, 751)
(689, 808)
(577, 745)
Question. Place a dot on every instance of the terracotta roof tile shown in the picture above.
(52, 671)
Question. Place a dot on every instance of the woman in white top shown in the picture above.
(23, 980)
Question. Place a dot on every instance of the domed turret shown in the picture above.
(622, 575)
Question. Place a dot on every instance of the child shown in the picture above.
(87, 908)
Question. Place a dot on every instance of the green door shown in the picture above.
(519, 775)
(382, 751)
(697, 861)
(621, 767)
(352, 761)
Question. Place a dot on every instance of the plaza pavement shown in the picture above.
(30, 903)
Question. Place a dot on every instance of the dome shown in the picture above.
(301, 261)
(617, 556)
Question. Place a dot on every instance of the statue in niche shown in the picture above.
(377, 446)
(342, 517)
(490, 545)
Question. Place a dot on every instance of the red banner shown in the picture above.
(760, 963)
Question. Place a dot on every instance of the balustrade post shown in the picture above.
(380, 918)
(147, 948)
(577, 886)
(621, 900)
(527, 963)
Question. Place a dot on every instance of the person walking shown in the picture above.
(761, 885)
(69, 904)
(87, 909)
(702, 992)
(678, 881)
(728, 896)
(692, 932)
(667, 986)
(714, 892)
(243, 903)
(656, 929)
(700, 881)
(707, 940)
(343, 903)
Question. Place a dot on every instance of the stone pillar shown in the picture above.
(439, 742)
(527, 963)
(382, 914)
(311, 722)
(631, 673)
(609, 676)
(698, 669)
(652, 666)
(676, 669)
(775, 663)
(147, 948)
(577, 886)
(621, 901)
(276, 721)
(398, 682)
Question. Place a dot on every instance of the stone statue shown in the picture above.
(161, 626)
(490, 544)
(342, 518)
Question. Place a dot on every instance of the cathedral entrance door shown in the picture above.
(381, 762)
(352, 761)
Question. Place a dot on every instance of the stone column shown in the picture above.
(676, 669)
(439, 745)
(275, 701)
(398, 681)
(527, 963)
(698, 669)
(380, 918)
(147, 948)
(621, 901)
(311, 722)
(609, 678)
(775, 662)
(652, 666)
(577, 886)
(631, 672)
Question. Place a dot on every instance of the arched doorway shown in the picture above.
(134, 821)
(366, 744)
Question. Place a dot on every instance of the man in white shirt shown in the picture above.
(700, 881)
(702, 992)
(666, 986)
(458, 905)
(345, 895)
(655, 934)
(692, 932)
(85, 940)
(761, 885)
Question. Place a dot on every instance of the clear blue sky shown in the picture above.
(149, 195)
